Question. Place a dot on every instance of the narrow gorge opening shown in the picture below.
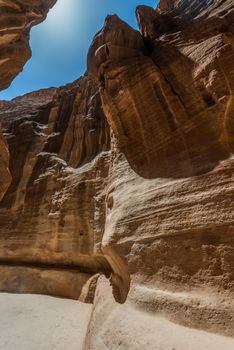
(60, 43)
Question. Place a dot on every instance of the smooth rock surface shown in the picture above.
(35, 322)
(129, 327)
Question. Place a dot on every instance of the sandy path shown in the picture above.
(35, 322)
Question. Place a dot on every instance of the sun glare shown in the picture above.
(60, 17)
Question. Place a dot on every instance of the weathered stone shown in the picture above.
(59, 163)
(170, 193)
(5, 176)
(17, 18)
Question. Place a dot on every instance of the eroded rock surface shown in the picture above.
(5, 177)
(170, 114)
(17, 18)
(155, 186)
(168, 96)
(59, 150)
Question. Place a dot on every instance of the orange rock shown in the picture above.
(5, 176)
(17, 18)
(59, 159)
(170, 193)
(155, 187)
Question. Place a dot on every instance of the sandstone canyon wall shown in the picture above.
(4, 166)
(135, 158)
(22, 258)
(59, 145)
(168, 96)
(17, 18)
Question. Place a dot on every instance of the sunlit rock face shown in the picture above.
(17, 18)
(53, 214)
(168, 96)
(59, 142)
(170, 115)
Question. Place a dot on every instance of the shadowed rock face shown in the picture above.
(5, 177)
(16, 20)
(192, 9)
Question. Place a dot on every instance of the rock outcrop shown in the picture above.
(135, 159)
(17, 18)
(168, 96)
(45, 155)
(160, 103)
(5, 177)
(59, 164)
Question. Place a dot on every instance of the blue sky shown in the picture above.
(60, 44)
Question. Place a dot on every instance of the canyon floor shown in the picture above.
(35, 322)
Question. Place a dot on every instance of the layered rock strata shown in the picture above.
(17, 18)
(156, 187)
(168, 96)
(5, 177)
(53, 214)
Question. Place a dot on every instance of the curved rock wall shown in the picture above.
(169, 99)
(168, 96)
(156, 187)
